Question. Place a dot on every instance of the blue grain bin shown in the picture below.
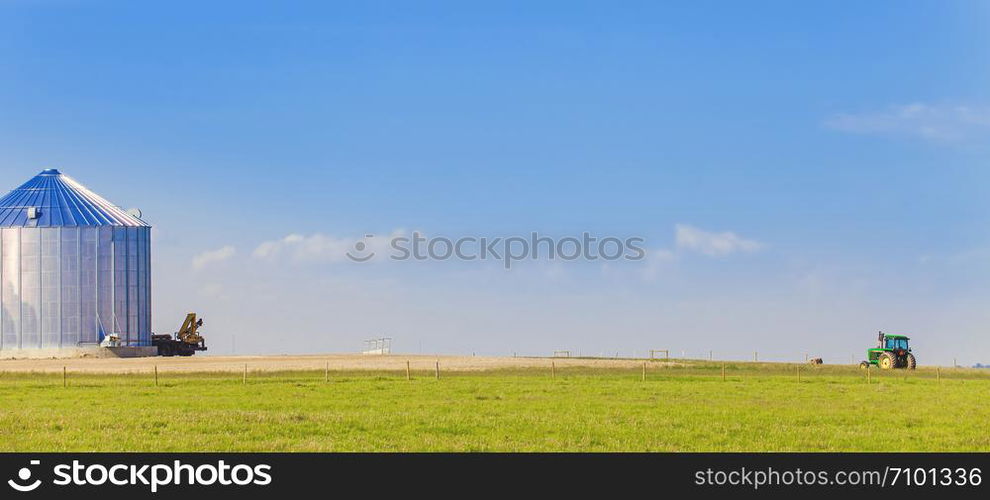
(73, 267)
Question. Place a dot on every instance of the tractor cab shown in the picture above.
(896, 343)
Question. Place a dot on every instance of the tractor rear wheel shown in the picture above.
(911, 362)
(887, 361)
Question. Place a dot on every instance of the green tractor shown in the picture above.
(892, 351)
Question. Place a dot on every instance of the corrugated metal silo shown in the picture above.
(73, 268)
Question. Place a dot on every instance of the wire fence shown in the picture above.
(327, 371)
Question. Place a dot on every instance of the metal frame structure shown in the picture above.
(380, 345)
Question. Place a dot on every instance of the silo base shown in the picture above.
(80, 352)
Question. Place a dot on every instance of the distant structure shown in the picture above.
(381, 345)
(74, 269)
(978, 365)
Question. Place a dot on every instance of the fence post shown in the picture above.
(938, 374)
(156, 375)
(408, 375)
(438, 369)
(799, 373)
(553, 370)
(869, 377)
(65, 382)
(244, 379)
(723, 371)
(644, 371)
(326, 372)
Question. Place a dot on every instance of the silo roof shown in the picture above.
(55, 199)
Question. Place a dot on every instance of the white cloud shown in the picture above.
(213, 257)
(324, 247)
(933, 122)
(311, 247)
(712, 244)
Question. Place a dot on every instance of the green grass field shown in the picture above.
(759, 407)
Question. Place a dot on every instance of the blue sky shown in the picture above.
(848, 139)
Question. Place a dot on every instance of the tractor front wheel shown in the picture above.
(864, 365)
(911, 362)
(887, 361)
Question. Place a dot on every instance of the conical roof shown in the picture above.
(53, 199)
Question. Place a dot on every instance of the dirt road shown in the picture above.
(348, 362)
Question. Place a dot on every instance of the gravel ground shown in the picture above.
(396, 362)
